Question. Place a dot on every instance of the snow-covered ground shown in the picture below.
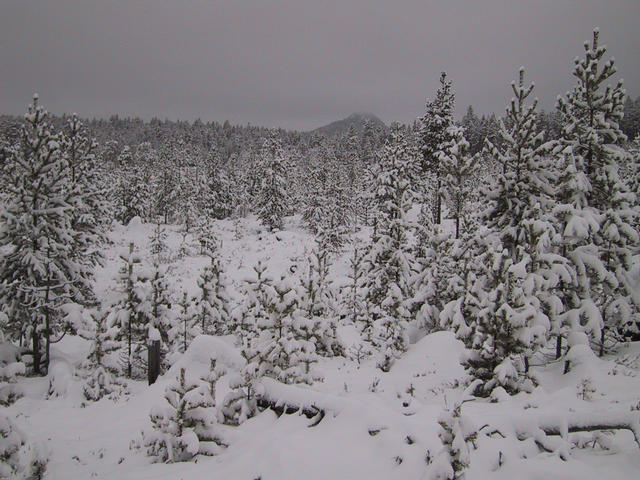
(377, 425)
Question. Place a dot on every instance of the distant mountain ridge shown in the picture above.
(358, 120)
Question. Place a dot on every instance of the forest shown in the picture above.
(447, 298)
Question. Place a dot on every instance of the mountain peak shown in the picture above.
(358, 120)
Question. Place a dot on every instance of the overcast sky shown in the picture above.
(298, 63)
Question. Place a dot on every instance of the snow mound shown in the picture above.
(203, 349)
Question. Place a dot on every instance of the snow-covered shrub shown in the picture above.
(585, 389)
(101, 383)
(240, 403)
(185, 425)
(457, 433)
(19, 459)
(10, 369)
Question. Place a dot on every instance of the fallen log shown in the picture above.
(280, 407)
(621, 424)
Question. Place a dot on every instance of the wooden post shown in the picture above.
(153, 361)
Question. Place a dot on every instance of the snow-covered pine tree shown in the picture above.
(521, 203)
(315, 315)
(435, 266)
(131, 193)
(125, 315)
(353, 295)
(457, 168)
(158, 243)
(497, 316)
(272, 203)
(256, 291)
(594, 212)
(183, 427)
(100, 382)
(186, 325)
(276, 342)
(43, 266)
(213, 303)
(166, 191)
(389, 260)
(87, 190)
(218, 200)
(434, 133)
(240, 403)
(161, 319)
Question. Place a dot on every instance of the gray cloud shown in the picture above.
(297, 63)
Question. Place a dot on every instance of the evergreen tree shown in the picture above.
(316, 320)
(389, 261)
(594, 212)
(498, 317)
(44, 240)
(272, 200)
(100, 382)
(185, 426)
(131, 194)
(213, 304)
(354, 301)
(276, 341)
(521, 202)
(186, 326)
(457, 168)
(127, 313)
(158, 243)
(434, 134)
(435, 267)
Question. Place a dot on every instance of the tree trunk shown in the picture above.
(438, 216)
(35, 341)
(153, 361)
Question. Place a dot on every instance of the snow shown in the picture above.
(377, 425)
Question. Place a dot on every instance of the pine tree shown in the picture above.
(126, 313)
(435, 267)
(213, 304)
(100, 382)
(354, 296)
(594, 211)
(457, 167)
(389, 258)
(158, 243)
(521, 202)
(276, 341)
(316, 320)
(10, 369)
(87, 191)
(131, 194)
(186, 325)
(185, 426)
(498, 317)
(252, 311)
(434, 134)
(44, 240)
(272, 200)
